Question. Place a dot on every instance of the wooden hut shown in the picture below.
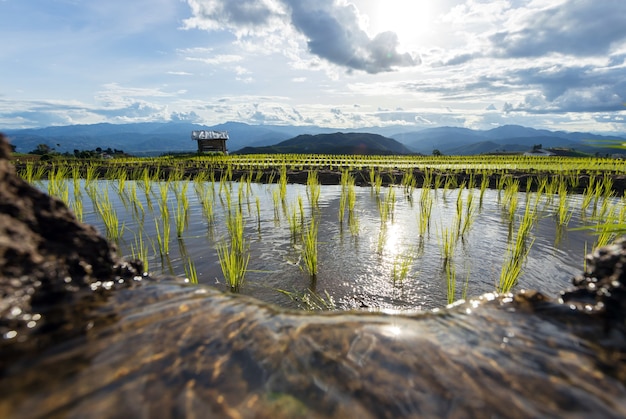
(210, 141)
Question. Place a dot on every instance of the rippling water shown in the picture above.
(355, 269)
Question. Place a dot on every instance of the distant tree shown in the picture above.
(537, 147)
(41, 149)
(436, 152)
(99, 149)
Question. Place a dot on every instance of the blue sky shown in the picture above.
(556, 64)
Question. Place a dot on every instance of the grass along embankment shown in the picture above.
(413, 171)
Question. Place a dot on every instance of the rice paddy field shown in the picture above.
(343, 232)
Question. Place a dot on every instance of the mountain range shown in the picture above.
(335, 143)
(154, 138)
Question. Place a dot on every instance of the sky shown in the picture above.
(553, 64)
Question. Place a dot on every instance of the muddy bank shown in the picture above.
(85, 335)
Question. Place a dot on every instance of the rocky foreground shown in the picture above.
(83, 334)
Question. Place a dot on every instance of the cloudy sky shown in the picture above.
(556, 64)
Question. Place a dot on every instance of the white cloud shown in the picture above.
(302, 62)
(331, 29)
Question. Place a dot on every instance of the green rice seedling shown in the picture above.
(190, 271)
(573, 180)
(447, 244)
(346, 198)
(242, 194)
(234, 264)
(353, 221)
(121, 177)
(182, 207)
(426, 205)
(551, 189)
(226, 197)
(437, 182)
(484, 185)
(276, 198)
(258, 176)
(139, 251)
(301, 209)
(309, 247)
(77, 208)
(176, 174)
(450, 183)
(378, 183)
(313, 188)
(402, 266)
(511, 270)
(450, 273)
(408, 181)
(109, 217)
(588, 195)
(515, 257)
(271, 178)
(564, 214)
(138, 211)
(529, 184)
(511, 193)
(235, 226)
(386, 206)
(28, 173)
(465, 286)
(372, 177)
(258, 213)
(228, 175)
(311, 300)
(543, 184)
(501, 181)
(428, 178)
(58, 185)
(91, 174)
(76, 181)
(295, 223)
(282, 183)
(205, 195)
(470, 214)
(180, 219)
(459, 212)
(606, 229)
(343, 199)
(163, 232)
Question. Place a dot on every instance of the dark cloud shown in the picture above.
(243, 14)
(573, 88)
(333, 33)
(577, 27)
(332, 30)
(246, 12)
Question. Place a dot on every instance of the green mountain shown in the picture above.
(336, 143)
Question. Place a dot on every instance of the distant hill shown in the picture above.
(156, 138)
(507, 138)
(335, 143)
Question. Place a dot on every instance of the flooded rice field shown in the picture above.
(378, 248)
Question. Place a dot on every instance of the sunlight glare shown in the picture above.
(408, 19)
